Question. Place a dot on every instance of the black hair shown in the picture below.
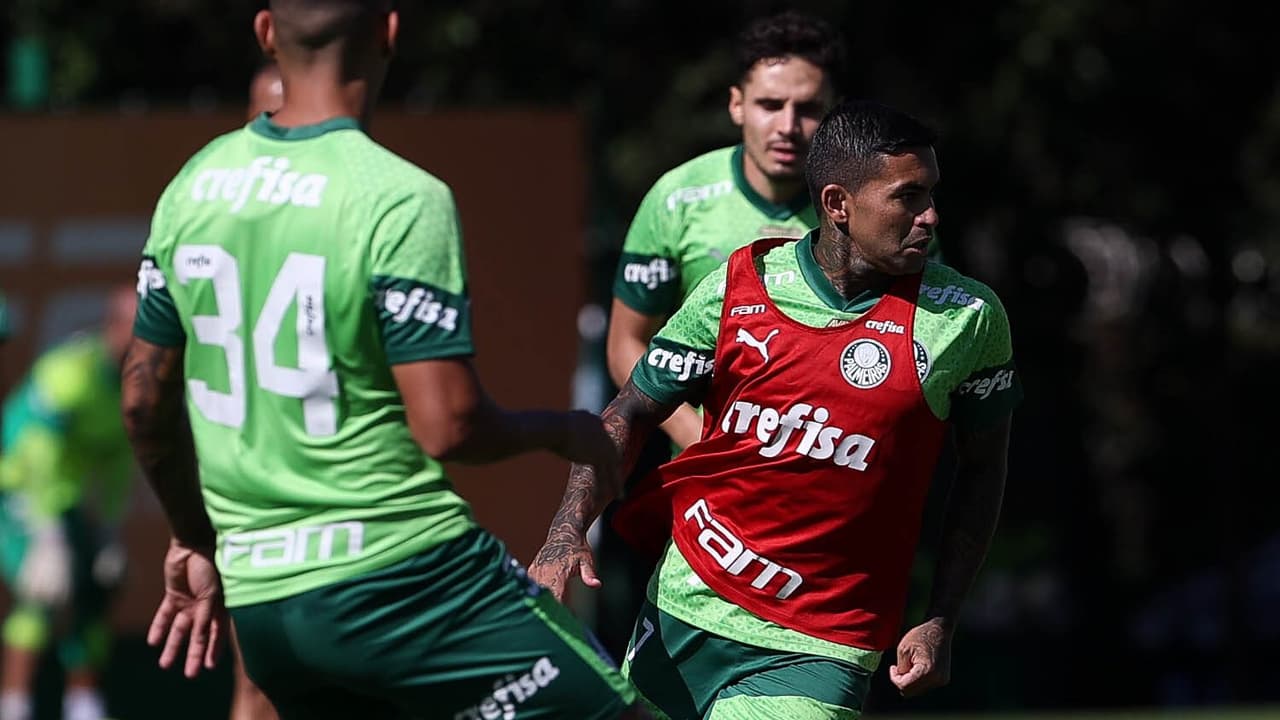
(317, 24)
(791, 33)
(850, 145)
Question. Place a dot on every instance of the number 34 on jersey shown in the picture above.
(300, 282)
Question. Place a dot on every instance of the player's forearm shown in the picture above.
(156, 423)
(684, 427)
(628, 421)
(491, 434)
(972, 513)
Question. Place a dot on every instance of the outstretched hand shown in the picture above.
(192, 610)
(564, 554)
(924, 659)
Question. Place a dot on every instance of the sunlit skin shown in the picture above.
(266, 92)
(779, 106)
(884, 227)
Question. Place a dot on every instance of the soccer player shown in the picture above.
(699, 212)
(830, 369)
(306, 288)
(64, 480)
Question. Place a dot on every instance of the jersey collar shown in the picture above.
(796, 206)
(822, 287)
(263, 125)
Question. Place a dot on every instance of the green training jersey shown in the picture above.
(689, 223)
(63, 435)
(295, 266)
(964, 356)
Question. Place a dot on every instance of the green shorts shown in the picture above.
(686, 673)
(458, 632)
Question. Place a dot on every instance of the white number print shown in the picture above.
(640, 641)
(210, 262)
(301, 282)
(733, 556)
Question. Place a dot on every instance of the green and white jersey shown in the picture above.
(963, 350)
(295, 266)
(689, 223)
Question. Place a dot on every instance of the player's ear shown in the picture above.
(392, 31)
(834, 201)
(264, 28)
(736, 102)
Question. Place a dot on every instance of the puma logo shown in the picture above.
(762, 346)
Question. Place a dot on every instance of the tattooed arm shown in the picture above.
(973, 509)
(155, 419)
(192, 610)
(627, 420)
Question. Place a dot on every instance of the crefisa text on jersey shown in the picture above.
(279, 184)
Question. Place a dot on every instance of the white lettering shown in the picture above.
(510, 691)
(951, 295)
(775, 430)
(691, 195)
(985, 387)
(275, 547)
(885, 326)
(657, 271)
(266, 179)
(733, 556)
(689, 365)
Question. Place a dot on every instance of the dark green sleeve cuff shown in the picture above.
(420, 321)
(157, 320)
(670, 372)
(986, 396)
(648, 284)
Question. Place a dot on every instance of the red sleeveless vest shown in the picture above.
(802, 501)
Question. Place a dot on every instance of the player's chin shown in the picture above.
(911, 261)
(785, 172)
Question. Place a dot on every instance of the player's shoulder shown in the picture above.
(704, 177)
(202, 158)
(945, 290)
(375, 167)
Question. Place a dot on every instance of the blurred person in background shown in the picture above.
(695, 215)
(790, 528)
(266, 90)
(65, 474)
(313, 311)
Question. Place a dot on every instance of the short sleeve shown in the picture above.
(678, 364)
(418, 282)
(157, 319)
(993, 389)
(648, 277)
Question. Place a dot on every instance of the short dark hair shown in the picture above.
(791, 33)
(852, 141)
(316, 24)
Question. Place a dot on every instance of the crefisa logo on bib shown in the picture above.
(865, 363)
